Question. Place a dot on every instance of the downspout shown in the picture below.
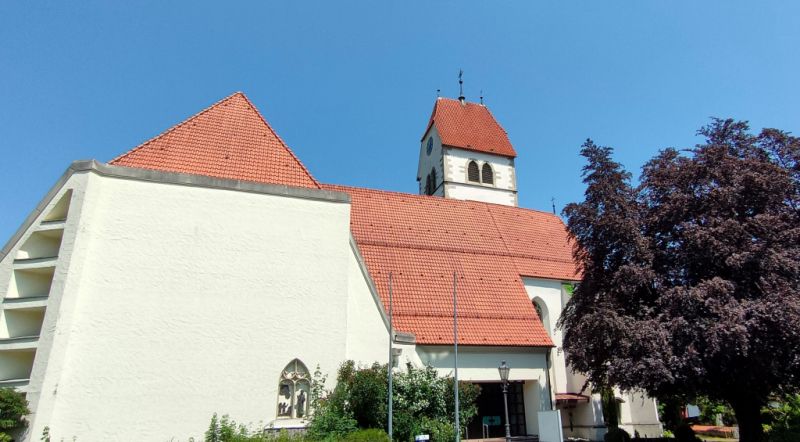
(549, 385)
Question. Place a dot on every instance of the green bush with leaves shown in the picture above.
(710, 409)
(371, 435)
(438, 429)
(783, 420)
(423, 402)
(225, 429)
(13, 408)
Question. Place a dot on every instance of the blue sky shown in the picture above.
(350, 85)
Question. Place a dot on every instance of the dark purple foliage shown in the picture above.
(690, 281)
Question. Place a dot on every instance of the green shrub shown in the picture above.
(331, 421)
(439, 430)
(467, 395)
(13, 408)
(617, 435)
(422, 403)
(225, 429)
(371, 435)
(710, 409)
(783, 420)
(366, 391)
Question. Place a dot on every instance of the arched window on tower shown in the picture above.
(294, 388)
(428, 185)
(487, 174)
(433, 182)
(473, 173)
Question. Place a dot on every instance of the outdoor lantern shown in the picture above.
(504, 369)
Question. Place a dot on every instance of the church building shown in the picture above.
(207, 271)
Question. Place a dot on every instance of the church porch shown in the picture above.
(530, 412)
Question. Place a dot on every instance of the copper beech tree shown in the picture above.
(690, 280)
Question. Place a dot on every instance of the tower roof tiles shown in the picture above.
(469, 126)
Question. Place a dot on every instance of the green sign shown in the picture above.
(491, 420)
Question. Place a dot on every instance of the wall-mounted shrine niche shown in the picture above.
(294, 389)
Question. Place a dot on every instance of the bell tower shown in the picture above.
(465, 154)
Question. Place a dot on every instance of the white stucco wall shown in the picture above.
(502, 191)
(367, 330)
(432, 161)
(484, 194)
(550, 294)
(550, 426)
(183, 301)
(586, 420)
(639, 413)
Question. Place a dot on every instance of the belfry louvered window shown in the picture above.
(473, 173)
(487, 176)
(433, 182)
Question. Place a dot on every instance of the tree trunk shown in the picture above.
(748, 415)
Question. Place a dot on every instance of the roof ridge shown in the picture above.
(448, 200)
(303, 166)
(495, 119)
(176, 126)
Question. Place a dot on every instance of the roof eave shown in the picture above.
(474, 149)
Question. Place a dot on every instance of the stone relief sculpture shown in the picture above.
(293, 390)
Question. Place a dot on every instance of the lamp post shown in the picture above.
(504, 370)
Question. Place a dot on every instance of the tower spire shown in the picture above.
(461, 87)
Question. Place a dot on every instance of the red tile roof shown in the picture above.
(469, 126)
(228, 140)
(422, 240)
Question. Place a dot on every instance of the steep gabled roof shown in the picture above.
(228, 140)
(422, 240)
(469, 126)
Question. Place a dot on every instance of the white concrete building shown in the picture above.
(207, 271)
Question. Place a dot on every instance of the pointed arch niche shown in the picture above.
(544, 315)
(294, 389)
